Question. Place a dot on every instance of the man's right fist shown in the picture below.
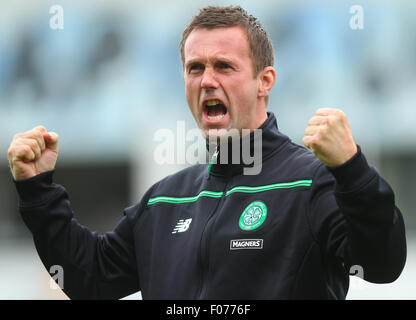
(32, 153)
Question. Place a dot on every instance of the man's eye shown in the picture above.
(196, 67)
(224, 66)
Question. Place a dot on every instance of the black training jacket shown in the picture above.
(294, 231)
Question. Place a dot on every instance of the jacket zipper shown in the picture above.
(203, 252)
(203, 256)
(214, 158)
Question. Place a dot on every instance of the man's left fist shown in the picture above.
(329, 137)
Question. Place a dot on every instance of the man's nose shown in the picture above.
(208, 79)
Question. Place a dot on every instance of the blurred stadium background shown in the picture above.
(112, 77)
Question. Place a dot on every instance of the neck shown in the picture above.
(232, 156)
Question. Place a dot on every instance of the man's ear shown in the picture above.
(267, 78)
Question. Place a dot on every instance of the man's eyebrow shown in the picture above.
(192, 62)
(215, 60)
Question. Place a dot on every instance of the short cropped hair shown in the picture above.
(211, 17)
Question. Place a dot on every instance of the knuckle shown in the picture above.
(40, 129)
(331, 120)
(313, 141)
(10, 152)
(339, 112)
(343, 117)
(26, 149)
(318, 139)
(32, 144)
(38, 135)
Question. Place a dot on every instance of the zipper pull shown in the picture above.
(214, 158)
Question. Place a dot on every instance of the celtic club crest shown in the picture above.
(253, 216)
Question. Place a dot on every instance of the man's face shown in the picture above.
(221, 90)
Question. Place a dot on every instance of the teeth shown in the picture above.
(213, 102)
(220, 116)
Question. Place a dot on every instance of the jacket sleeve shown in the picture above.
(356, 222)
(94, 266)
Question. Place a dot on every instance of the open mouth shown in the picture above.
(215, 110)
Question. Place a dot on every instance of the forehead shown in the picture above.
(231, 42)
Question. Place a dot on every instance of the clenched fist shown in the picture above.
(32, 153)
(329, 137)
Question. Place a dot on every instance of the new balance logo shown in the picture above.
(182, 225)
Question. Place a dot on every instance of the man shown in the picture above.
(293, 231)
